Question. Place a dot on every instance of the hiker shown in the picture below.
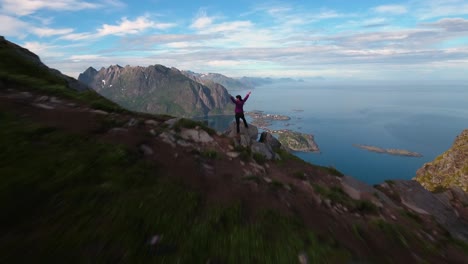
(239, 111)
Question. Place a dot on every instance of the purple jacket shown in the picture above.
(239, 104)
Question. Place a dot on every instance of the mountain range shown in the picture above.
(158, 89)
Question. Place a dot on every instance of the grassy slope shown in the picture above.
(71, 198)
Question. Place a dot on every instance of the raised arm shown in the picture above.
(233, 100)
(247, 96)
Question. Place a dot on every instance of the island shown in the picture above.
(292, 140)
(297, 141)
(397, 152)
(262, 120)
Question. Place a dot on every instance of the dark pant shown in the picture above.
(239, 116)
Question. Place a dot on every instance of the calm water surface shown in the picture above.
(424, 119)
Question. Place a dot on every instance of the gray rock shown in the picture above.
(262, 149)
(147, 151)
(251, 132)
(168, 138)
(151, 122)
(269, 140)
(232, 154)
(414, 196)
(42, 98)
(303, 258)
(54, 100)
(132, 122)
(97, 111)
(459, 194)
(171, 122)
(44, 106)
(197, 135)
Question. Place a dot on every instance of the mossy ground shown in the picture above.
(70, 198)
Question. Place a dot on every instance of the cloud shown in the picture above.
(123, 28)
(27, 7)
(202, 20)
(450, 24)
(47, 32)
(12, 26)
(427, 9)
(391, 9)
(126, 27)
(84, 57)
(44, 49)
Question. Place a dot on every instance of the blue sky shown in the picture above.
(336, 40)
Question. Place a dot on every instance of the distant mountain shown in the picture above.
(449, 169)
(158, 89)
(243, 83)
(206, 79)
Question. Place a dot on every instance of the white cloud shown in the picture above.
(12, 26)
(47, 32)
(27, 7)
(427, 9)
(43, 49)
(391, 9)
(126, 27)
(451, 24)
(86, 57)
(202, 21)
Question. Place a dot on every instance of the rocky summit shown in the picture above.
(83, 180)
(448, 170)
(157, 89)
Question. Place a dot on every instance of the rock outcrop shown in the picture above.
(449, 169)
(297, 141)
(158, 90)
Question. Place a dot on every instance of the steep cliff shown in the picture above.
(449, 169)
(157, 89)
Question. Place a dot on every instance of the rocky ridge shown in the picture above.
(448, 170)
(159, 90)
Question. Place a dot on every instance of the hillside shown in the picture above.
(157, 89)
(448, 170)
(83, 180)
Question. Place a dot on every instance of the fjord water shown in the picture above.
(421, 118)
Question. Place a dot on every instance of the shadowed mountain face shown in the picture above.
(159, 90)
(20, 67)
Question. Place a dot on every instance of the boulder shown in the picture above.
(251, 132)
(270, 140)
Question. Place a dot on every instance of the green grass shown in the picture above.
(395, 232)
(259, 158)
(337, 195)
(300, 175)
(69, 198)
(211, 154)
(330, 170)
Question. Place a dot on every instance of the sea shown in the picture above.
(419, 118)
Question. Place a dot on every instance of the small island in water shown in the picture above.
(397, 152)
(292, 140)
